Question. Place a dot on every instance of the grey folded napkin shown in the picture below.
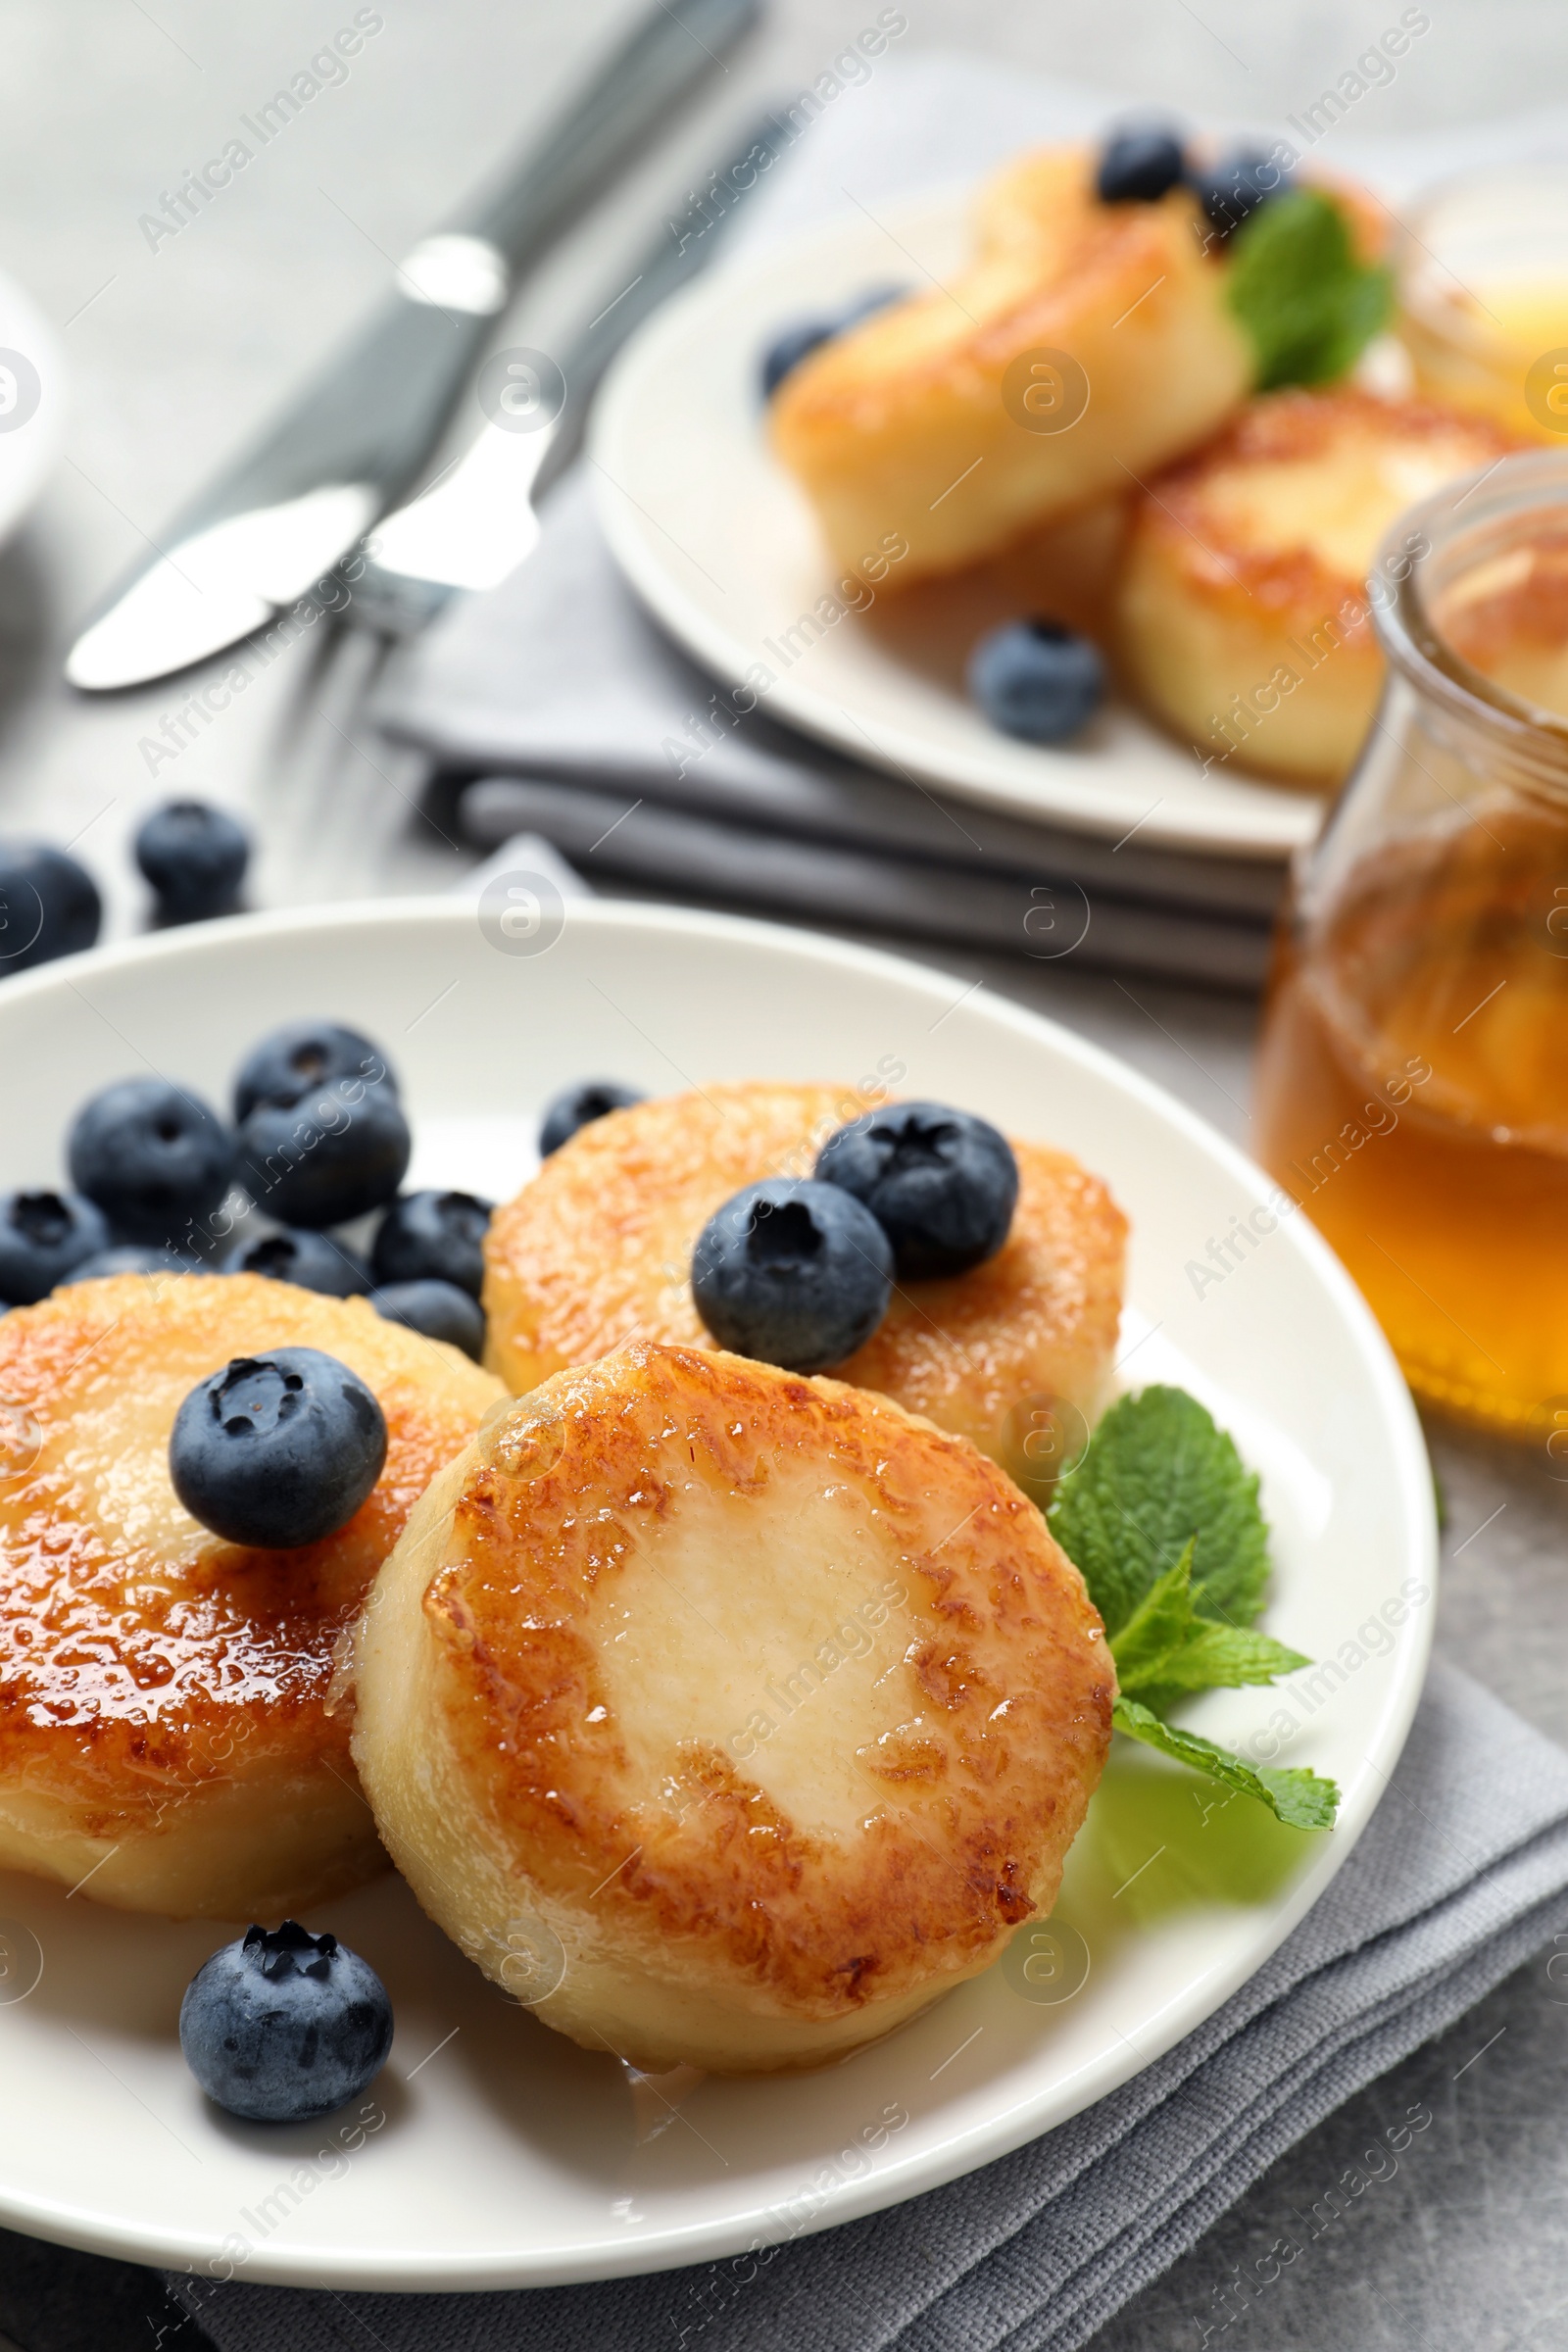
(557, 686)
(1457, 1879)
(559, 679)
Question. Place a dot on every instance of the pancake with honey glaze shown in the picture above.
(942, 425)
(597, 1251)
(1243, 617)
(726, 1716)
(165, 1733)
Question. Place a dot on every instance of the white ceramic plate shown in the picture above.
(31, 403)
(722, 548)
(508, 2155)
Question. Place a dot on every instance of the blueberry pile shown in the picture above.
(1142, 161)
(318, 1139)
(281, 2027)
(799, 1271)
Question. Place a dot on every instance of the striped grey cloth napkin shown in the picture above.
(1459, 1877)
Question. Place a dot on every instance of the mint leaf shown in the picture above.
(1298, 1798)
(1307, 305)
(1164, 1650)
(1160, 1474)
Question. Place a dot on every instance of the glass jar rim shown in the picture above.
(1435, 541)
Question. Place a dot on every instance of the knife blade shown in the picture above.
(356, 437)
(479, 522)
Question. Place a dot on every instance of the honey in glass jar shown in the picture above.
(1414, 1071)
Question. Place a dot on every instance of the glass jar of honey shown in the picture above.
(1413, 1067)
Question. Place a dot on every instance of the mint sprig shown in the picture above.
(1309, 306)
(1303, 1800)
(1162, 1518)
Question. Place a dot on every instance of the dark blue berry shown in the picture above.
(277, 1450)
(1235, 189)
(281, 2027)
(312, 1261)
(134, 1258)
(49, 905)
(1138, 164)
(42, 1237)
(793, 1272)
(327, 1156)
(433, 1236)
(155, 1157)
(437, 1309)
(795, 343)
(942, 1184)
(296, 1060)
(578, 1107)
(195, 857)
(1037, 679)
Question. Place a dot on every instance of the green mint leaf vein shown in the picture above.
(1159, 1475)
(1301, 1799)
(1165, 1650)
(1309, 306)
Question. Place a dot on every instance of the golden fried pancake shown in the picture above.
(920, 424)
(1242, 618)
(596, 1251)
(164, 1733)
(738, 1714)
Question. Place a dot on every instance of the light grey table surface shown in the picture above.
(177, 354)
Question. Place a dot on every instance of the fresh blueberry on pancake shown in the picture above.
(1139, 164)
(792, 1271)
(764, 1708)
(433, 1236)
(942, 1184)
(169, 1732)
(597, 1250)
(281, 2027)
(133, 1257)
(278, 1450)
(42, 1237)
(439, 1309)
(154, 1156)
(576, 1106)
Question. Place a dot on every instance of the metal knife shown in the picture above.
(478, 522)
(356, 436)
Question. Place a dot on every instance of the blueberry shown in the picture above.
(278, 1449)
(1235, 189)
(327, 1156)
(942, 1184)
(42, 1237)
(1138, 164)
(1037, 679)
(577, 1106)
(195, 858)
(133, 1257)
(281, 2027)
(437, 1309)
(155, 1157)
(795, 343)
(49, 904)
(794, 1272)
(295, 1060)
(310, 1260)
(435, 1236)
